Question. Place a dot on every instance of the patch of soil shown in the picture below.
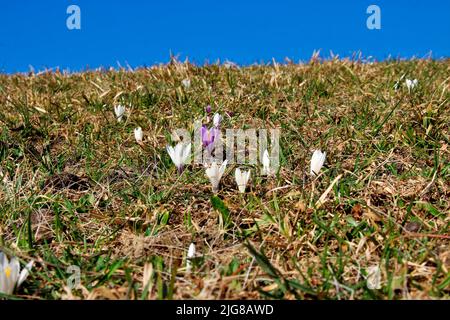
(66, 181)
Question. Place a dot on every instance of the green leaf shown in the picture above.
(430, 208)
(220, 206)
(263, 262)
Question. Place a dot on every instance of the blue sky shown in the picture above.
(142, 33)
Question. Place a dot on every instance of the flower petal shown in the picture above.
(11, 273)
(3, 259)
(171, 152)
(2, 279)
(186, 153)
(24, 273)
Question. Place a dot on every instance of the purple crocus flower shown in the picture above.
(208, 109)
(209, 136)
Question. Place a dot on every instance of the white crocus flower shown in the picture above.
(186, 83)
(119, 110)
(266, 171)
(179, 155)
(216, 120)
(190, 255)
(317, 161)
(10, 275)
(242, 178)
(230, 64)
(138, 135)
(215, 172)
(411, 84)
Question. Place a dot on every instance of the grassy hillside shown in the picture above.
(76, 189)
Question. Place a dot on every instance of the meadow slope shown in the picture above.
(77, 190)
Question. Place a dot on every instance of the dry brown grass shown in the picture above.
(77, 190)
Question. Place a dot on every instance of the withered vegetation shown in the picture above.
(76, 189)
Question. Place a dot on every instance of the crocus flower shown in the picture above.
(411, 84)
(216, 120)
(179, 155)
(186, 83)
(242, 178)
(190, 255)
(266, 164)
(230, 64)
(208, 109)
(138, 135)
(317, 160)
(209, 136)
(215, 172)
(119, 110)
(10, 275)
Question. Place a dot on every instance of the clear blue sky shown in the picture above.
(138, 32)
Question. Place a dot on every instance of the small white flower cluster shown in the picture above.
(214, 171)
(411, 84)
(180, 154)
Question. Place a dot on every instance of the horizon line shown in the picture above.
(356, 56)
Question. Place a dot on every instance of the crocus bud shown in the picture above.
(119, 110)
(215, 172)
(186, 83)
(138, 135)
(190, 256)
(242, 178)
(266, 171)
(216, 120)
(317, 161)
